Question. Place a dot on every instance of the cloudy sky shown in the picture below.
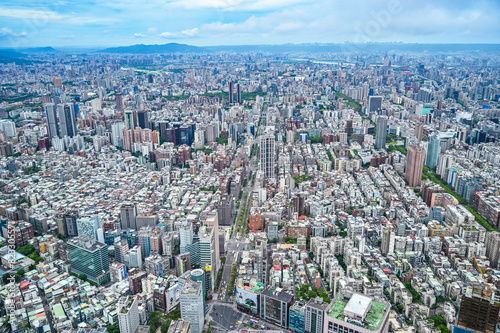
(26, 23)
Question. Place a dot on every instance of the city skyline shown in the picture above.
(238, 22)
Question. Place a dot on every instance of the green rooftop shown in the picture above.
(373, 319)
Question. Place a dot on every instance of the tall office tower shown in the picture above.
(477, 314)
(419, 131)
(375, 104)
(207, 254)
(50, 111)
(88, 226)
(9, 127)
(119, 102)
(238, 93)
(231, 93)
(462, 134)
(134, 257)
(89, 257)
(128, 213)
(381, 136)
(70, 224)
(58, 82)
(267, 155)
(121, 249)
(192, 305)
(130, 120)
(188, 244)
(128, 314)
(388, 241)
(117, 133)
(199, 275)
(315, 312)
(213, 221)
(67, 120)
(493, 248)
(150, 241)
(142, 119)
(414, 164)
(433, 150)
(185, 236)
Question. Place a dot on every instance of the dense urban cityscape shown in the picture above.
(252, 191)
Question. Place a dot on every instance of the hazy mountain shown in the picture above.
(162, 48)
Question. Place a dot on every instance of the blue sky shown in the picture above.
(25, 23)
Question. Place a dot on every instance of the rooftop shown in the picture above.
(373, 318)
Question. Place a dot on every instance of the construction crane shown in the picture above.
(489, 290)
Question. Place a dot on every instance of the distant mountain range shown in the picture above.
(162, 48)
(21, 54)
(307, 48)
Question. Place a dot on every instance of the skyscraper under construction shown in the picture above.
(478, 313)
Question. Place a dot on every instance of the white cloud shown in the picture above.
(152, 31)
(237, 5)
(8, 32)
(30, 14)
(190, 33)
(139, 35)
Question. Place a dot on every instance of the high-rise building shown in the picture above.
(89, 257)
(121, 249)
(414, 164)
(130, 119)
(297, 317)
(53, 124)
(231, 92)
(315, 312)
(275, 306)
(88, 226)
(267, 155)
(119, 102)
(67, 120)
(185, 236)
(128, 214)
(134, 257)
(493, 248)
(354, 312)
(433, 150)
(238, 93)
(117, 133)
(128, 314)
(477, 313)
(375, 104)
(381, 136)
(150, 241)
(213, 221)
(192, 305)
(388, 241)
(142, 119)
(419, 131)
(9, 127)
(207, 254)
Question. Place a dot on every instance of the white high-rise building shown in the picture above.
(192, 305)
(134, 257)
(88, 226)
(117, 133)
(9, 127)
(268, 155)
(128, 314)
(207, 253)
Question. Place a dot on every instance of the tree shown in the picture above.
(311, 294)
(311, 255)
